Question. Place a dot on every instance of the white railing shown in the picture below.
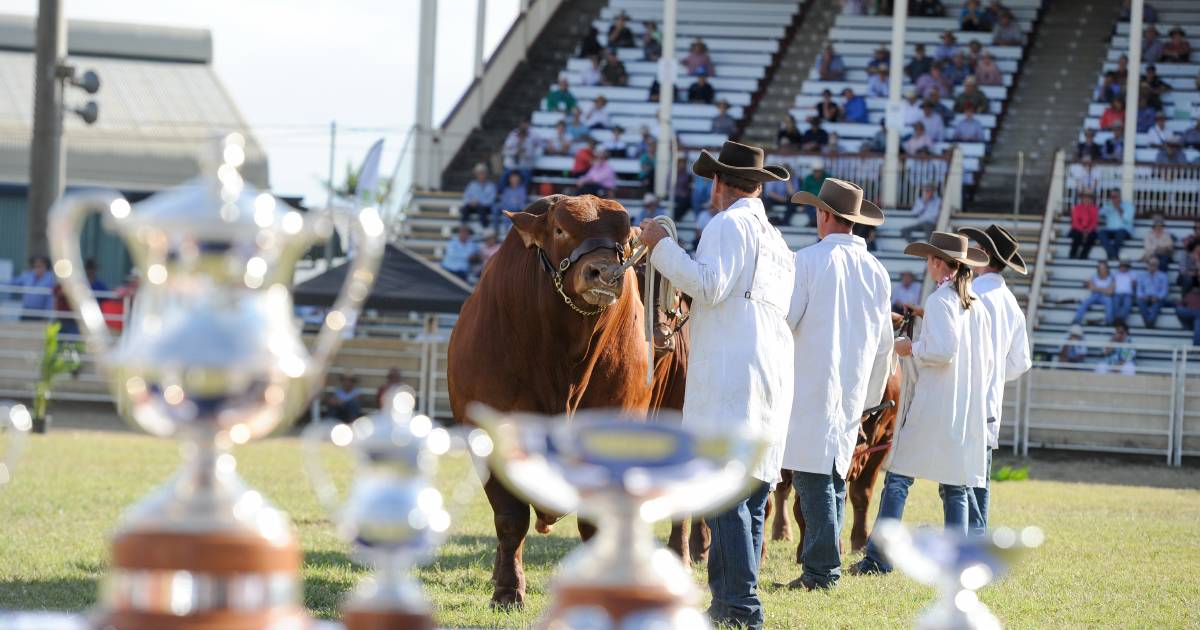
(1054, 205)
(866, 170)
(1172, 190)
(12, 306)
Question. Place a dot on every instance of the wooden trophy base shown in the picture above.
(278, 619)
(386, 620)
(618, 601)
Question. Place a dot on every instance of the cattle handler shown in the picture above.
(740, 366)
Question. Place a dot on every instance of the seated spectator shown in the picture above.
(37, 301)
(812, 182)
(1177, 49)
(1159, 244)
(1118, 359)
(560, 143)
(935, 79)
(925, 209)
(683, 188)
(1149, 14)
(1108, 89)
(1085, 217)
(1124, 281)
(651, 42)
(590, 46)
(789, 135)
(601, 179)
(653, 94)
(1100, 291)
(647, 163)
(490, 246)
(919, 64)
(932, 122)
(968, 128)
(343, 402)
(701, 91)
(926, 8)
(814, 137)
(591, 74)
(878, 142)
(947, 49)
(1189, 266)
(867, 233)
(1114, 114)
(461, 252)
(1152, 288)
(973, 95)
(854, 108)
(935, 97)
(1171, 153)
(1084, 177)
(1073, 351)
(513, 198)
(907, 294)
(1088, 147)
(1114, 147)
(972, 18)
(560, 98)
(651, 208)
(1152, 45)
(777, 200)
(391, 380)
(697, 59)
(1191, 137)
(918, 143)
(853, 7)
(619, 35)
(597, 115)
(877, 82)
(830, 66)
(912, 108)
(584, 157)
(618, 145)
(613, 72)
(827, 108)
(479, 196)
(1118, 223)
(1188, 312)
(987, 72)
(974, 53)
(723, 122)
(520, 151)
(1194, 237)
(1007, 32)
(957, 70)
(833, 146)
(1122, 71)
(881, 59)
(1155, 83)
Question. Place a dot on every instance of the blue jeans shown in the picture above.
(891, 505)
(737, 540)
(1122, 306)
(1190, 318)
(823, 503)
(978, 501)
(1149, 310)
(1111, 241)
(1095, 298)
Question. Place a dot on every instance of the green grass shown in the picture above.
(1122, 548)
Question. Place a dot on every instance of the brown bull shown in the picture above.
(548, 331)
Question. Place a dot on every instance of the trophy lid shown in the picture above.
(395, 435)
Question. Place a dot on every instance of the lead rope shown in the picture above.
(665, 296)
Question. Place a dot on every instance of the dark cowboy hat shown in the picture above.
(739, 160)
(1000, 243)
(949, 247)
(844, 199)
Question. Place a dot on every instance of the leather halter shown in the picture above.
(586, 247)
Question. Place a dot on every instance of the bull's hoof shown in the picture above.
(782, 532)
(699, 557)
(504, 600)
(857, 545)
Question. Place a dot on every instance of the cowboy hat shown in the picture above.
(950, 247)
(740, 160)
(843, 199)
(1000, 243)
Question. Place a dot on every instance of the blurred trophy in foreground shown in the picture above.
(957, 565)
(394, 515)
(15, 422)
(622, 475)
(213, 356)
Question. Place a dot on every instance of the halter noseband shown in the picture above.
(586, 247)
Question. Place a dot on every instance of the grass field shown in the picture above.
(1122, 547)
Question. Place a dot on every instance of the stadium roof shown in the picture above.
(406, 282)
(160, 102)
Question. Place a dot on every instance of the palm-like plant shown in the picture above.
(57, 359)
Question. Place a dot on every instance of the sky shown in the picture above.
(292, 66)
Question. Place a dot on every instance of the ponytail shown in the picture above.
(962, 285)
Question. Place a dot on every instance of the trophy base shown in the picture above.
(294, 619)
(386, 620)
(618, 603)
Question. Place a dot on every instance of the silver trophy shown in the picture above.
(623, 475)
(957, 565)
(15, 422)
(394, 515)
(212, 355)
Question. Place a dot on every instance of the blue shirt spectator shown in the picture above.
(1145, 118)
(461, 251)
(1152, 283)
(514, 197)
(481, 191)
(968, 128)
(40, 283)
(1117, 216)
(855, 108)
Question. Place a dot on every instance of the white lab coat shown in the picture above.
(842, 327)
(943, 436)
(1010, 344)
(740, 360)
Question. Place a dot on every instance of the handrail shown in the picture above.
(1053, 208)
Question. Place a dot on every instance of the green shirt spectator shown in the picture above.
(560, 98)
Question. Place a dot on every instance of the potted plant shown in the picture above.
(57, 359)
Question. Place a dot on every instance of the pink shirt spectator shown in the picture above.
(601, 174)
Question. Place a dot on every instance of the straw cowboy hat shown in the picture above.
(843, 199)
(739, 160)
(1000, 243)
(949, 247)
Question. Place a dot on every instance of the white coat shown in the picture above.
(1010, 344)
(943, 436)
(842, 327)
(740, 360)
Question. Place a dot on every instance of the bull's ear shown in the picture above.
(529, 226)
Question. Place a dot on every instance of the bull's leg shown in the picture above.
(678, 541)
(781, 526)
(511, 518)
(586, 530)
(700, 540)
(860, 492)
(798, 514)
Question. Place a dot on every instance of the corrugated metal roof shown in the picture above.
(157, 118)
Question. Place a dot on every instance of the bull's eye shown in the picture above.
(559, 232)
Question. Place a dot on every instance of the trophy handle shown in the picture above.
(313, 437)
(371, 233)
(65, 222)
(15, 418)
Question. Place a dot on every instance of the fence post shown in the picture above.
(1181, 407)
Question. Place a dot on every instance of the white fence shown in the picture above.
(1172, 190)
(866, 170)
